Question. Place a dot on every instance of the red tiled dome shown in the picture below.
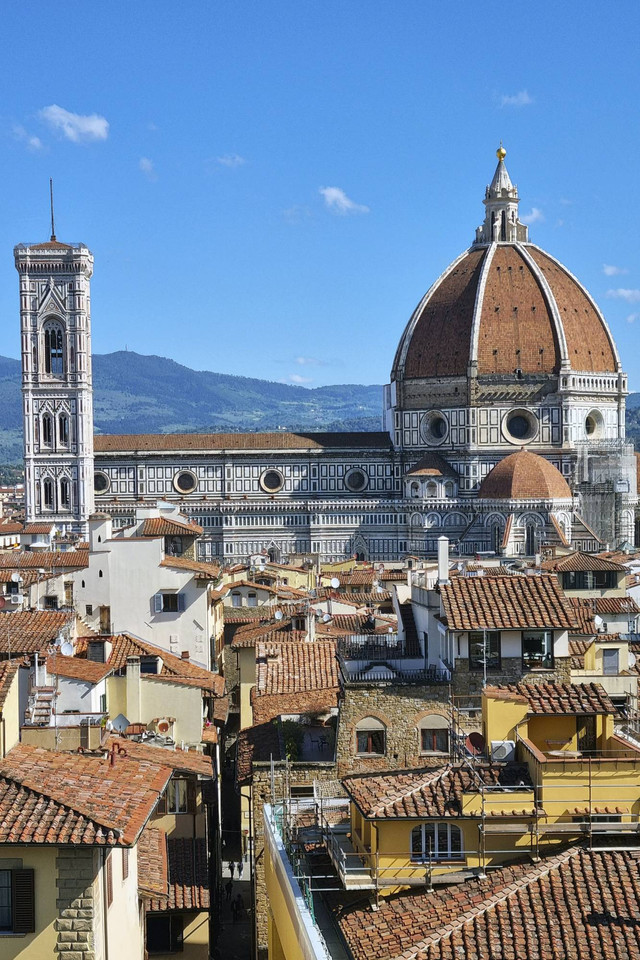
(524, 476)
(505, 307)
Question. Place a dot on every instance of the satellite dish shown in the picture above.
(41, 570)
(379, 589)
(279, 615)
(66, 649)
(632, 660)
(326, 618)
(335, 583)
(475, 743)
(2, 602)
(16, 578)
(599, 622)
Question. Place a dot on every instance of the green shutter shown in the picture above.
(24, 908)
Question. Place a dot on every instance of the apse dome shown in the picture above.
(524, 476)
(505, 308)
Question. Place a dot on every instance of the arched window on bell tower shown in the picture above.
(65, 494)
(53, 349)
(47, 493)
(63, 430)
(47, 430)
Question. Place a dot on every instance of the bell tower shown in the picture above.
(55, 326)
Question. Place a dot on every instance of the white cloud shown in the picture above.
(536, 216)
(231, 160)
(296, 378)
(310, 362)
(33, 143)
(338, 202)
(610, 271)
(633, 317)
(621, 293)
(76, 127)
(520, 99)
(146, 166)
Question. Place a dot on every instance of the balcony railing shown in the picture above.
(391, 672)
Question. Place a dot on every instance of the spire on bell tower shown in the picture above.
(501, 201)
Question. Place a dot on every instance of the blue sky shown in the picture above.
(269, 188)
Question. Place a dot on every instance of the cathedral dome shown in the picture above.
(524, 476)
(504, 308)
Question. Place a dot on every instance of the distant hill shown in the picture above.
(140, 394)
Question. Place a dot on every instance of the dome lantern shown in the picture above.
(501, 200)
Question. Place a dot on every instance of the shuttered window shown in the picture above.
(125, 863)
(109, 870)
(17, 901)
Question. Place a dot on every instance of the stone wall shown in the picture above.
(77, 902)
(467, 684)
(400, 708)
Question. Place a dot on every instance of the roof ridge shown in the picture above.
(439, 773)
(491, 901)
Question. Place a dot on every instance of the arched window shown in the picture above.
(448, 488)
(434, 734)
(371, 737)
(47, 430)
(432, 489)
(47, 494)
(436, 841)
(530, 540)
(63, 430)
(496, 537)
(415, 490)
(53, 350)
(65, 494)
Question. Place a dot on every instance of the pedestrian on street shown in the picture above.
(237, 907)
(240, 868)
(232, 867)
(228, 890)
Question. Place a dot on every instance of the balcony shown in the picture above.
(364, 659)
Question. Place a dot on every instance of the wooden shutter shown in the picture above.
(191, 796)
(157, 603)
(109, 870)
(24, 907)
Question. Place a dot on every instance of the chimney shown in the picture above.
(184, 655)
(311, 626)
(443, 560)
(134, 692)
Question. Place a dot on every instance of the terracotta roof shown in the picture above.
(55, 797)
(586, 608)
(515, 317)
(239, 441)
(430, 792)
(583, 612)
(38, 528)
(524, 476)
(278, 631)
(51, 559)
(167, 527)
(581, 561)
(188, 876)
(10, 527)
(173, 668)
(8, 670)
(432, 465)
(200, 568)
(261, 742)
(577, 650)
(77, 668)
(296, 667)
(566, 699)
(577, 905)
(505, 603)
(187, 761)
(31, 631)
(152, 865)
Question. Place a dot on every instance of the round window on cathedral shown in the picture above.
(185, 482)
(101, 482)
(520, 426)
(355, 480)
(272, 481)
(434, 427)
(594, 425)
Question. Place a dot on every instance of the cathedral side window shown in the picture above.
(63, 430)
(53, 350)
(65, 494)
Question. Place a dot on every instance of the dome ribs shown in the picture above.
(441, 337)
(516, 327)
(589, 344)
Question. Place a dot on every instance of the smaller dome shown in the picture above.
(524, 476)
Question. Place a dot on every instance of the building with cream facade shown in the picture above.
(506, 350)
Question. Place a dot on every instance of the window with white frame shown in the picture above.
(436, 841)
(537, 649)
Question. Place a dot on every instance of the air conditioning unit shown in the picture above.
(503, 750)
(15, 598)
